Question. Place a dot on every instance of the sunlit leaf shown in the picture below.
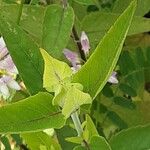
(96, 71)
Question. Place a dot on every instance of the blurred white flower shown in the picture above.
(85, 43)
(113, 78)
(6, 83)
(8, 65)
(8, 71)
(3, 48)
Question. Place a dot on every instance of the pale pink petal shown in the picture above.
(76, 68)
(2, 43)
(8, 65)
(3, 48)
(13, 85)
(4, 90)
(113, 78)
(85, 43)
(72, 57)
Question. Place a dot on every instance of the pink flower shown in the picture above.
(113, 78)
(72, 57)
(8, 65)
(6, 83)
(85, 43)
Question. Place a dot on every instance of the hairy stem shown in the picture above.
(20, 11)
(77, 123)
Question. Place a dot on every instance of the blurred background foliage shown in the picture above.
(118, 106)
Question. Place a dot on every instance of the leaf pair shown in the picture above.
(57, 78)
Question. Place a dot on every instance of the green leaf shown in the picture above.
(55, 71)
(142, 7)
(25, 54)
(37, 139)
(98, 23)
(127, 90)
(67, 95)
(62, 135)
(136, 138)
(73, 99)
(5, 142)
(31, 114)
(88, 133)
(96, 71)
(124, 102)
(31, 19)
(57, 30)
(96, 143)
(90, 129)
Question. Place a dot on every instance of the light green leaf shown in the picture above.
(90, 129)
(98, 23)
(57, 29)
(55, 71)
(74, 98)
(143, 6)
(88, 133)
(31, 114)
(96, 71)
(25, 54)
(136, 138)
(37, 140)
(96, 143)
(77, 140)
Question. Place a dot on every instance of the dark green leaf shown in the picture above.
(136, 138)
(25, 54)
(127, 90)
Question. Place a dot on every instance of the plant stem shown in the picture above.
(20, 11)
(77, 123)
(64, 3)
(77, 40)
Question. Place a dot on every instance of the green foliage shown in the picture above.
(67, 95)
(118, 117)
(90, 129)
(32, 114)
(133, 138)
(55, 71)
(97, 24)
(38, 140)
(109, 48)
(31, 19)
(96, 143)
(25, 54)
(62, 135)
(5, 142)
(57, 30)
(126, 104)
(87, 2)
(142, 7)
